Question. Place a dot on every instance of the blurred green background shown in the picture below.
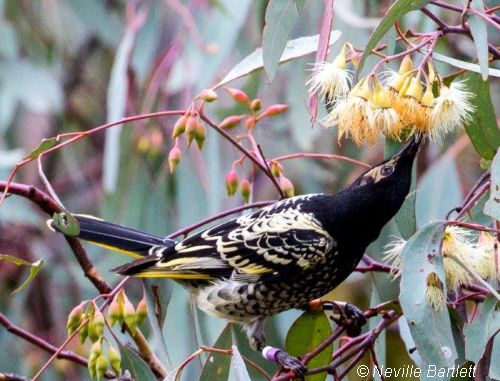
(71, 65)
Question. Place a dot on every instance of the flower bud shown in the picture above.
(340, 60)
(276, 168)
(191, 125)
(355, 58)
(231, 182)
(174, 158)
(96, 326)
(101, 366)
(75, 318)
(115, 311)
(238, 95)
(83, 334)
(414, 89)
(256, 105)
(91, 368)
(286, 186)
(245, 189)
(274, 110)
(180, 126)
(115, 360)
(231, 121)
(141, 311)
(200, 134)
(129, 315)
(208, 95)
(406, 65)
(428, 97)
(95, 351)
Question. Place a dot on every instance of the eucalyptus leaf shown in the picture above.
(158, 293)
(239, 365)
(483, 129)
(115, 107)
(306, 333)
(217, 365)
(480, 36)
(281, 16)
(479, 331)
(66, 223)
(492, 207)
(137, 367)
(430, 328)
(296, 48)
(397, 10)
(463, 65)
(439, 191)
(34, 267)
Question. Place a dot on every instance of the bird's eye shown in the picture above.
(387, 170)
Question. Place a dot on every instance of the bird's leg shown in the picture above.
(256, 337)
(347, 315)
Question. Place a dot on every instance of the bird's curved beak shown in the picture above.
(411, 148)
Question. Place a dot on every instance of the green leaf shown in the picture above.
(35, 267)
(239, 366)
(439, 191)
(294, 49)
(137, 367)
(116, 103)
(307, 332)
(217, 365)
(281, 16)
(300, 5)
(481, 329)
(480, 36)
(463, 65)
(158, 293)
(430, 329)
(483, 129)
(395, 12)
(492, 207)
(66, 223)
(45, 145)
(406, 219)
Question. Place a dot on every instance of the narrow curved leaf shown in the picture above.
(492, 207)
(45, 145)
(239, 366)
(463, 65)
(137, 367)
(294, 49)
(481, 329)
(306, 333)
(483, 129)
(480, 36)
(35, 267)
(395, 12)
(430, 329)
(438, 191)
(281, 16)
(217, 365)
(158, 293)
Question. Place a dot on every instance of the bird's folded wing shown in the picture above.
(257, 244)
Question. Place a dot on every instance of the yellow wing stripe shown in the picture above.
(161, 274)
(121, 251)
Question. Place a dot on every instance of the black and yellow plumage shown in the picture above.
(274, 259)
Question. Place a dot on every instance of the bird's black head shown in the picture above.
(395, 171)
(384, 187)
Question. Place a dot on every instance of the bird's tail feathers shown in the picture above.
(116, 237)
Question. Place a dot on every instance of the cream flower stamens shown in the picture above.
(331, 81)
(451, 110)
